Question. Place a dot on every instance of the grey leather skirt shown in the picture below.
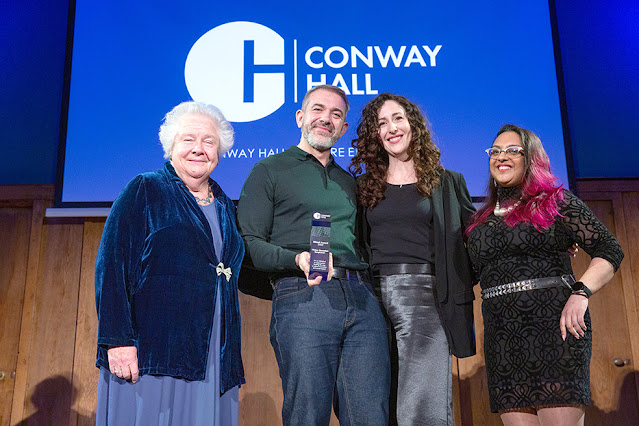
(421, 392)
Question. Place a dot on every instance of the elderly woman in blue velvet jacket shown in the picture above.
(166, 285)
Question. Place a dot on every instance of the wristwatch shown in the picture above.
(579, 286)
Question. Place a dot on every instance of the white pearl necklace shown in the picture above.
(502, 211)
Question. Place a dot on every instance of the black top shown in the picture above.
(452, 208)
(403, 227)
(502, 255)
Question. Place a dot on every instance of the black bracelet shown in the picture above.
(580, 293)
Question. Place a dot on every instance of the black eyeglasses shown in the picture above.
(511, 152)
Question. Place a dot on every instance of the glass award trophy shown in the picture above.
(320, 245)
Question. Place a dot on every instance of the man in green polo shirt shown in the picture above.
(328, 336)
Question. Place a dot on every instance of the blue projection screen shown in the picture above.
(470, 66)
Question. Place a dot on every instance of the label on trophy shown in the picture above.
(320, 245)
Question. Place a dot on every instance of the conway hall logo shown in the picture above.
(243, 68)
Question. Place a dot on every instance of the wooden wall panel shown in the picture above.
(58, 327)
(630, 267)
(456, 407)
(49, 390)
(261, 397)
(14, 243)
(85, 374)
(624, 195)
(473, 388)
(25, 195)
(612, 401)
(631, 210)
(28, 311)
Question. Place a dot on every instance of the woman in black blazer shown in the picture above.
(412, 222)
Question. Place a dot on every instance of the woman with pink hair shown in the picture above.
(537, 333)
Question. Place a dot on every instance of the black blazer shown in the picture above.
(452, 208)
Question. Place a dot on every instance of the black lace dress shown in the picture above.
(527, 363)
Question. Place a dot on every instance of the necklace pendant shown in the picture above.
(501, 211)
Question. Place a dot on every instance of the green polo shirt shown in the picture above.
(277, 202)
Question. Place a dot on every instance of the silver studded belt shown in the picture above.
(525, 285)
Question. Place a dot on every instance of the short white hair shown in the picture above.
(169, 128)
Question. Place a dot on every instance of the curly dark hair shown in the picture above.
(372, 155)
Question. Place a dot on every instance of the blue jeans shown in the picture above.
(331, 346)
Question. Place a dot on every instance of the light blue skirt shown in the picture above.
(164, 400)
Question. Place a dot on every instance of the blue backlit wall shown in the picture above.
(469, 66)
(599, 43)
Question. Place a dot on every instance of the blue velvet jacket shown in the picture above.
(155, 280)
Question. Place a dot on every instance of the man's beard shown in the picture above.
(321, 145)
